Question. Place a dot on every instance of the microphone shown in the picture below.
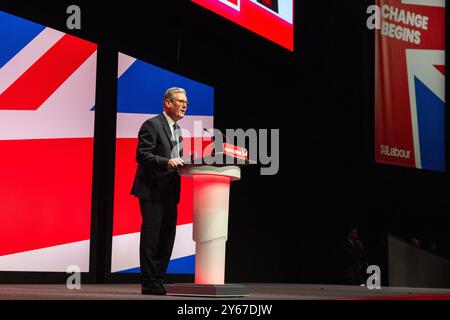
(213, 153)
(204, 129)
(223, 136)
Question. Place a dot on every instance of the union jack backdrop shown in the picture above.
(47, 94)
(141, 88)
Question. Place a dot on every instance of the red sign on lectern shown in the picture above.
(235, 151)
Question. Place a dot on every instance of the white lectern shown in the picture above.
(211, 188)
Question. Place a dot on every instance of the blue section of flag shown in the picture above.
(133, 270)
(185, 265)
(430, 116)
(142, 87)
(15, 33)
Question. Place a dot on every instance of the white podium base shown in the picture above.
(207, 290)
(211, 194)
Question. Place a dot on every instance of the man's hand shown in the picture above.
(175, 163)
(359, 244)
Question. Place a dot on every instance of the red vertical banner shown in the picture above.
(410, 84)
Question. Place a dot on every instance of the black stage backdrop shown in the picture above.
(283, 228)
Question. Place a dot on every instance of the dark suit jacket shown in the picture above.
(153, 181)
(354, 263)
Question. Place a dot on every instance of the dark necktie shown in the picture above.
(178, 139)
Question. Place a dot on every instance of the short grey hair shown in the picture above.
(172, 91)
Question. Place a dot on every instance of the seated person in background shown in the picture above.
(416, 243)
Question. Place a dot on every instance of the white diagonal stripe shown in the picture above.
(128, 125)
(428, 3)
(125, 248)
(124, 63)
(65, 114)
(50, 259)
(26, 57)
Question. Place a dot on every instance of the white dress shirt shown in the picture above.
(171, 123)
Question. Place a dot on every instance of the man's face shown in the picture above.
(176, 106)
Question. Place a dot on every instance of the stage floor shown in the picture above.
(257, 292)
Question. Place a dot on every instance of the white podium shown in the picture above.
(211, 188)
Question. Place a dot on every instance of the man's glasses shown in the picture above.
(182, 102)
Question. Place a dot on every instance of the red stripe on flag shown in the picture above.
(267, 24)
(41, 80)
(441, 69)
(255, 18)
(127, 217)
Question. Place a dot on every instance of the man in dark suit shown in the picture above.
(157, 185)
(354, 259)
